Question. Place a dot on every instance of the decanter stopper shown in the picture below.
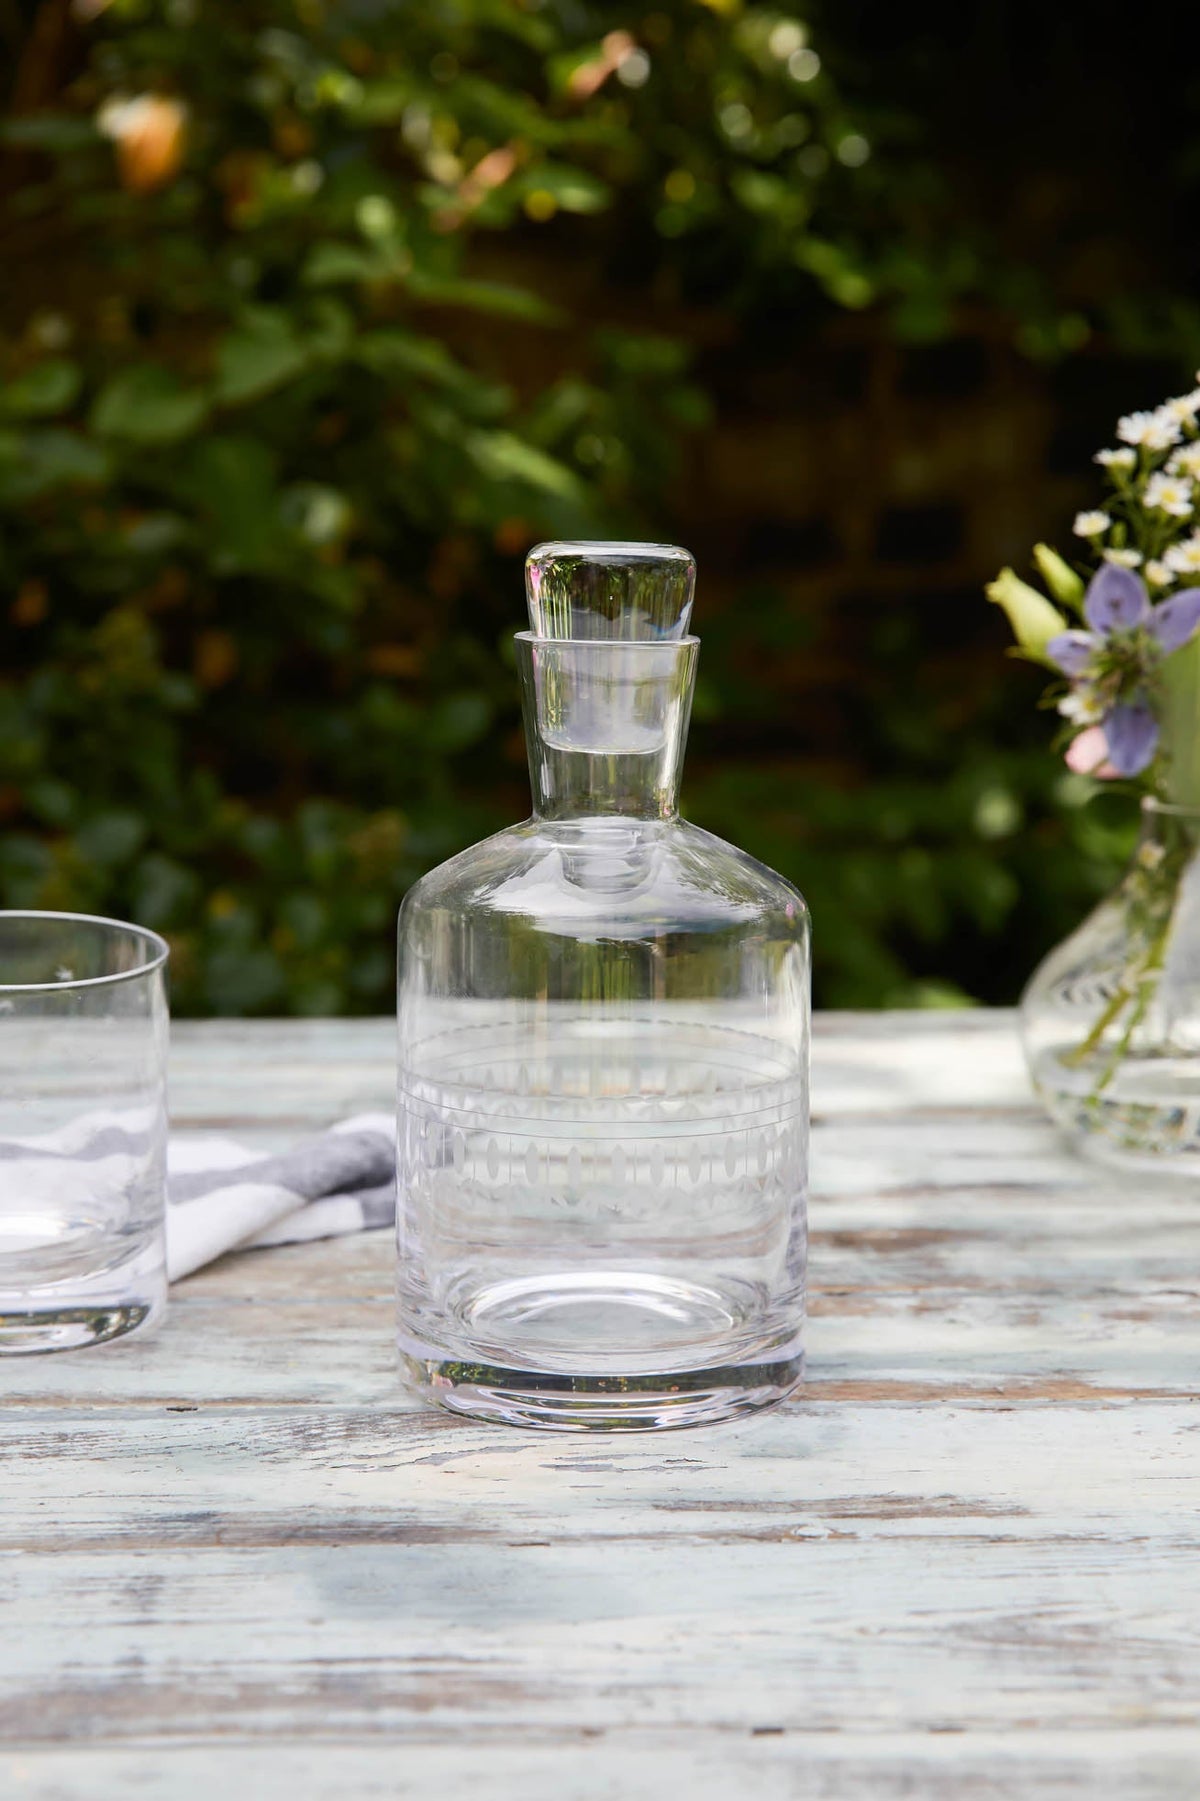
(610, 590)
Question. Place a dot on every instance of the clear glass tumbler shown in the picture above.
(603, 1056)
(83, 1130)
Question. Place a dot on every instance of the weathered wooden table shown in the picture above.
(234, 1559)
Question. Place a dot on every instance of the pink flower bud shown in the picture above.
(1088, 754)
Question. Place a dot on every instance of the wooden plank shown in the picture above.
(957, 1289)
(289, 1076)
(851, 1472)
(363, 1639)
(270, 1082)
(899, 1347)
(708, 1764)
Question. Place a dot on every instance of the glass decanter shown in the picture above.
(603, 1050)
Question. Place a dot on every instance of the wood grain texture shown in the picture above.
(764, 1765)
(965, 1563)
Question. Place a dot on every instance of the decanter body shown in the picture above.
(603, 1095)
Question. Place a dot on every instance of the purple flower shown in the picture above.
(1073, 651)
(1116, 603)
(1173, 621)
(1116, 600)
(1131, 732)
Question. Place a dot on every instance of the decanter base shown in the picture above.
(589, 1403)
(603, 1349)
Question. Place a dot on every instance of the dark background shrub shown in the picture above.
(315, 316)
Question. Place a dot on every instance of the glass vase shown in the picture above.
(603, 1047)
(1111, 1019)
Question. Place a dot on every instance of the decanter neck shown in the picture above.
(605, 723)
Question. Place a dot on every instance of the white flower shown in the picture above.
(1183, 408)
(1158, 575)
(1081, 707)
(1128, 559)
(1117, 459)
(1090, 525)
(1185, 461)
(1154, 431)
(1184, 558)
(1169, 494)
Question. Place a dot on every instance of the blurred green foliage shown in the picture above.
(319, 314)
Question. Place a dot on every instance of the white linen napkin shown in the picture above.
(222, 1196)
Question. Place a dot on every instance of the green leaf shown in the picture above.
(574, 190)
(505, 457)
(49, 131)
(502, 112)
(232, 481)
(566, 407)
(36, 462)
(331, 329)
(111, 838)
(153, 534)
(1034, 621)
(1064, 584)
(331, 264)
(770, 196)
(391, 353)
(259, 355)
(53, 802)
(642, 354)
(43, 391)
(458, 721)
(380, 102)
(163, 890)
(306, 917)
(26, 865)
(689, 406)
(147, 404)
(515, 21)
(485, 297)
(238, 981)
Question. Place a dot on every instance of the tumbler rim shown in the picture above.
(156, 947)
